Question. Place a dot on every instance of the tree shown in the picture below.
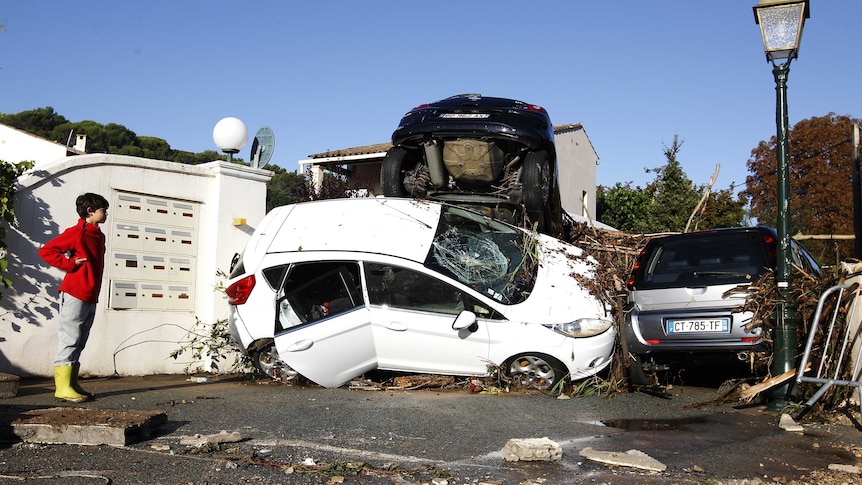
(673, 196)
(9, 173)
(667, 203)
(623, 207)
(40, 121)
(284, 188)
(115, 137)
(724, 208)
(821, 169)
(196, 158)
(156, 148)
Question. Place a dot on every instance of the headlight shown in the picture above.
(582, 327)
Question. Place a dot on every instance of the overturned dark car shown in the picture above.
(495, 155)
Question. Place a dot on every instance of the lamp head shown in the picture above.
(230, 135)
(781, 23)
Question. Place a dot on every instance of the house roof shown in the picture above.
(568, 127)
(576, 127)
(382, 147)
(350, 152)
(69, 150)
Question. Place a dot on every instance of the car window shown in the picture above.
(484, 254)
(803, 259)
(313, 291)
(708, 259)
(399, 287)
(274, 275)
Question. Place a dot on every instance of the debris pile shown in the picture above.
(615, 253)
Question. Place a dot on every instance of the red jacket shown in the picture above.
(80, 241)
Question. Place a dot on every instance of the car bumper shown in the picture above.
(238, 331)
(591, 354)
(646, 332)
(413, 132)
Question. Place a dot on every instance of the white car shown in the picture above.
(335, 288)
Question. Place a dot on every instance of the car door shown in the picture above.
(323, 330)
(414, 315)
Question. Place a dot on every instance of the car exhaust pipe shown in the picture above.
(434, 156)
(743, 356)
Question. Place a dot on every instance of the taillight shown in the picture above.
(771, 247)
(239, 291)
(533, 107)
(630, 283)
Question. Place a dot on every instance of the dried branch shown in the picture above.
(702, 201)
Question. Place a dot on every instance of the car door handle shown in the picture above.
(396, 326)
(300, 346)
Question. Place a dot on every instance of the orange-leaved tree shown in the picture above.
(821, 197)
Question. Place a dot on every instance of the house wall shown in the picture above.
(124, 341)
(367, 175)
(18, 146)
(577, 171)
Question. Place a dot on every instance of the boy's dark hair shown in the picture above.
(90, 202)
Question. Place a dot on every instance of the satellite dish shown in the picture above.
(262, 147)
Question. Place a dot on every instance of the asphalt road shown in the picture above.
(422, 436)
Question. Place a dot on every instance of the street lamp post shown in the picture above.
(781, 23)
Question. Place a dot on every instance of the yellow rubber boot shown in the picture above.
(76, 367)
(63, 384)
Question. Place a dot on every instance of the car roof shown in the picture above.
(398, 227)
(713, 232)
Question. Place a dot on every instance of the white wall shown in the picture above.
(124, 342)
(18, 146)
(577, 170)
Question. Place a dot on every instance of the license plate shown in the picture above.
(465, 116)
(705, 325)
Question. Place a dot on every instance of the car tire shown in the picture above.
(536, 186)
(267, 363)
(636, 373)
(554, 220)
(535, 371)
(390, 173)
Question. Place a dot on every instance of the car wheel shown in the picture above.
(636, 373)
(554, 219)
(267, 362)
(536, 371)
(391, 178)
(536, 186)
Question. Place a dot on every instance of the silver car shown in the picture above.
(686, 292)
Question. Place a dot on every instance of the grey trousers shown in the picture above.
(76, 320)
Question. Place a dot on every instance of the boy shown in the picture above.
(80, 252)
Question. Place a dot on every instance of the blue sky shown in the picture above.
(328, 75)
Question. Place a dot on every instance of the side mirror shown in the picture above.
(465, 319)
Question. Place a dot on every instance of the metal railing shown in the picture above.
(840, 336)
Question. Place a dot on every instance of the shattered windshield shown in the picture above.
(484, 254)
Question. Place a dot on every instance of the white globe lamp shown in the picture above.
(230, 135)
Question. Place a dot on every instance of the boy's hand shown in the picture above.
(80, 261)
